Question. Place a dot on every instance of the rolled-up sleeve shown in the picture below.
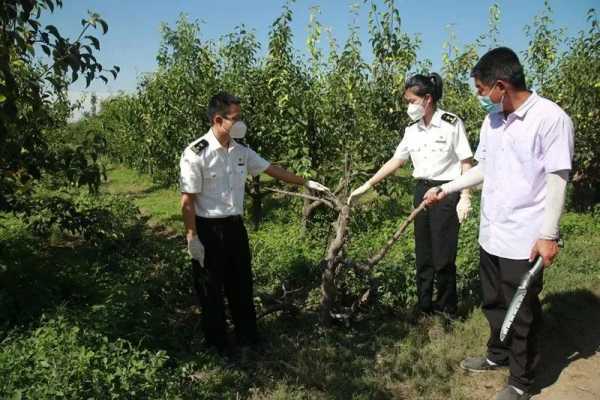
(461, 142)
(256, 164)
(557, 144)
(402, 152)
(190, 175)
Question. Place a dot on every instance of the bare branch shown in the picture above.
(277, 307)
(282, 303)
(372, 261)
(386, 248)
(303, 195)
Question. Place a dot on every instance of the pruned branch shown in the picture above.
(282, 303)
(304, 196)
(395, 237)
(373, 260)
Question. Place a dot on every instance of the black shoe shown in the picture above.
(479, 364)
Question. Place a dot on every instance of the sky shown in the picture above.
(133, 37)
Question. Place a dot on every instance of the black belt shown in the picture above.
(221, 220)
(430, 183)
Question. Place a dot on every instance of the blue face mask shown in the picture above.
(488, 105)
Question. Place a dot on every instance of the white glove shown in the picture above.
(356, 193)
(196, 250)
(463, 208)
(312, 185)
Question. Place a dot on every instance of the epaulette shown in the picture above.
(200, 146)
(449, 118)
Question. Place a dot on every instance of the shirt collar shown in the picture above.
(214, 142)
(436, 119)
(523, 108)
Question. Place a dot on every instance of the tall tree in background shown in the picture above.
(33, 99)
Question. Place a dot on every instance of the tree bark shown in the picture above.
(335, 248)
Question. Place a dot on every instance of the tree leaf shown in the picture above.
(95, 42)
(52, 29)
(104, 26)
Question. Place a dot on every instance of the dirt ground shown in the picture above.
(579, 381)
(570, 352)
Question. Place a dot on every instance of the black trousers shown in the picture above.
(436, 241)
(500, 278)
(226, 271)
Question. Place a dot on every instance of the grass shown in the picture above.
(83, 322)
(161, 204)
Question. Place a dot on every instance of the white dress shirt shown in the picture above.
(217, 175)
(516, 152)
(435, 150)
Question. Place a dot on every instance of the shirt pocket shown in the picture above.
(415, 149)
(240, 174)
(209, 181)
(441, 144)
(523, 150)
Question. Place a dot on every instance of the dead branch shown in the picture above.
(281, 303)
(309, 208)
(373, 260)
(395, 237)
(303, 195)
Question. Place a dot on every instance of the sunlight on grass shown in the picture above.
(161, 204)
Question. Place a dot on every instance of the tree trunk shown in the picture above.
(335, 248)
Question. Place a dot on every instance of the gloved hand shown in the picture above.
(312, 185)
(463, 208)
(356, 193)
(195, 249)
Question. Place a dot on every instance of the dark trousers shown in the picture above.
(226, 271)
(500, 278)
(436, 241)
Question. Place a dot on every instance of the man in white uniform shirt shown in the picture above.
(213, 175)
(524, 155)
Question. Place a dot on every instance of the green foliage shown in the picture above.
(33, 101)
(573, 81)
(63, 360)
(96, 219)
(542, 54)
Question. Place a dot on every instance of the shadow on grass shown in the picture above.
(37, 278)
(571, 332)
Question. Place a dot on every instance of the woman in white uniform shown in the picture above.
(438, 147)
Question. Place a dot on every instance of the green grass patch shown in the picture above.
(160, 203)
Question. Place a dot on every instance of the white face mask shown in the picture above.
(238, 130)
(415, 111)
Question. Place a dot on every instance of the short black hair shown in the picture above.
(426, 84)
(219, 105)
(500, 64)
